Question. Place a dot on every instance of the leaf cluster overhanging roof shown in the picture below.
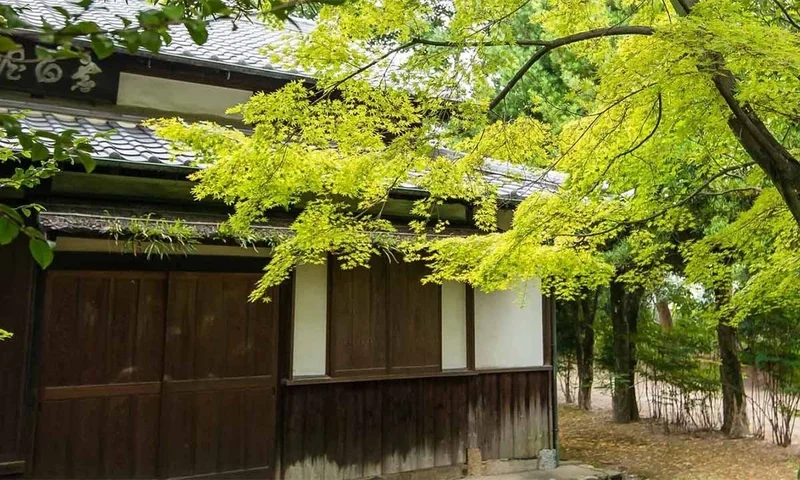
(128, 140)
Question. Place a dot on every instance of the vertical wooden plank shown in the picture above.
(232, 430)
(86, 438)
(52, 439)
(409, 451)
(314, 435)
(506, 416)
(460, 405)
(149, 342)
(207, 431)
(93, 322)
(146, 417)
(179, 357)
(61, 332)
(292, 462)
(260, 426)
(443, 414)
(235, 314)
(520, 414)
(117, 439)
(177, 435)
(393, 440)
(474, 412)
(211, 335)
(426, 405)
(373, 416)
(122, 316)
(16, 298)
(490, 433)
(335, 418)
(355, 432)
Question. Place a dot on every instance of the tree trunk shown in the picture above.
(734, 407)
(587, 307)
(782, 168)
(664, 315)
(624, 322)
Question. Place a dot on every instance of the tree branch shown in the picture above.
(786, 14)
(699, 191)
(550, 45)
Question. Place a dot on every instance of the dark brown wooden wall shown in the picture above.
(101, 374)
(383, 320)
(16, 303)
(155, 374)
(219, 376)
(363, 429)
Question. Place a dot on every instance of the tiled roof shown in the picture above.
(227, 49)
(132, 142)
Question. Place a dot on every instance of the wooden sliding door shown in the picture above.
(219, 377)
(155, 375)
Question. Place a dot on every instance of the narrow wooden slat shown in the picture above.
(335, 430)
(218, 384)
(232, 430)
(294, 408)
(235, 292)
(118, 438)
(206, 435)
(490, 433)
(373, 440)
(460, 406)
(506, 416)
(444, 414)
(520, 413)
(393, 421)
(355, 431)
(87, 436)
(61, 320)
(52, 439)
(93, 321)
(146, 416)
(176, 455)
(211, 325)
(121, 334)
(149, 342)
(260, 427)
(106, 390)
(180, 342)
(314, 436)
(409, 451)
(425, 443)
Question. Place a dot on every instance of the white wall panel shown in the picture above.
(177, 96)
(310, 320)
(508, 328)
(454, 325)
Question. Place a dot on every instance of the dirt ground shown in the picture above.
(641, 449)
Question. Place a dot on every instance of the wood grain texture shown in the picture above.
(156, 375)
(16, 292)
(366, 429)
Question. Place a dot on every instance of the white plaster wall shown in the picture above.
(454, 325)
(177, 96)
(310, 320)
(508, 328)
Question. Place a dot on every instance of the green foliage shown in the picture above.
(154, 236)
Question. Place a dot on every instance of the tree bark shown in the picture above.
(624, 322)
(760, 144)
(734, 406)
(664, 315)
(587, 307)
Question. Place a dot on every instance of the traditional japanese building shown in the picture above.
(137, 366)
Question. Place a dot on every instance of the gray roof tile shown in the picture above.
(240, 48)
